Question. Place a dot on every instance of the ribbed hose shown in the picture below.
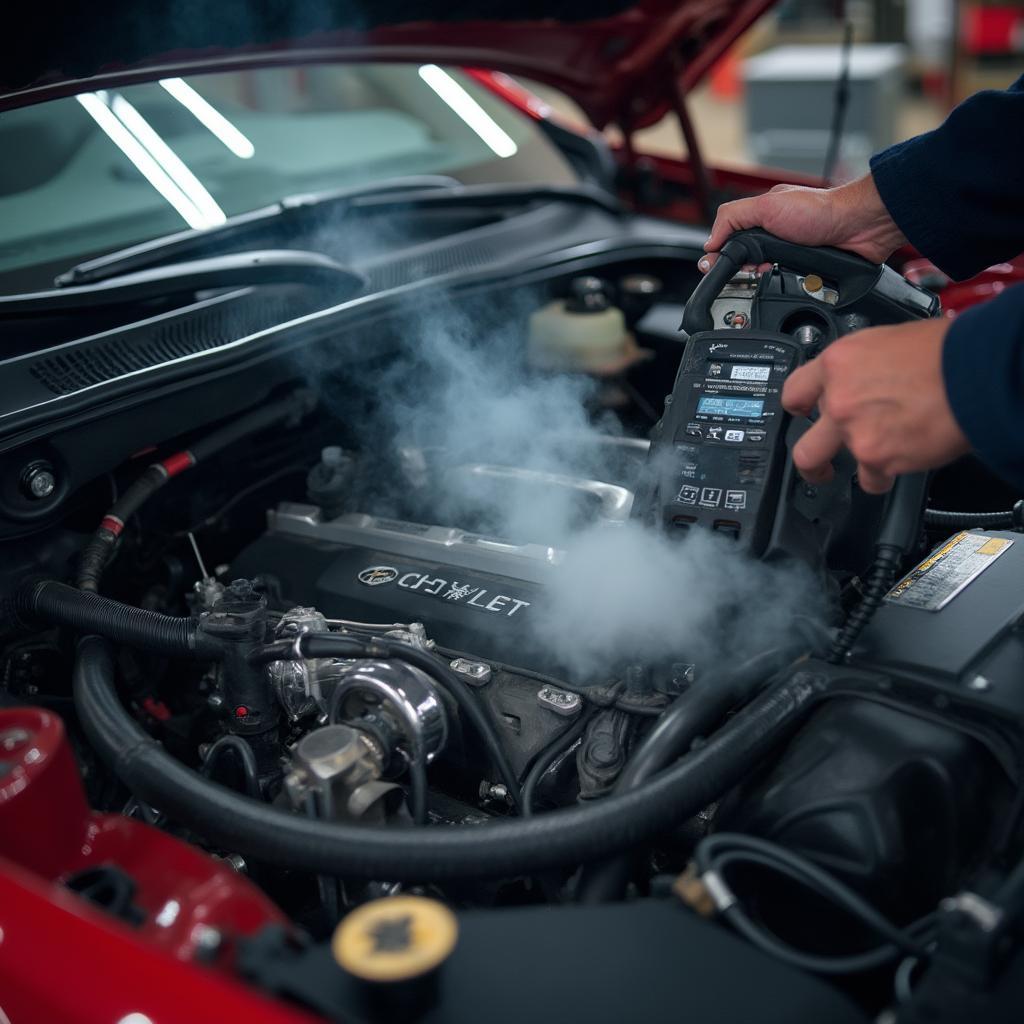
(498, 849)
(83, 612)
(970, 520)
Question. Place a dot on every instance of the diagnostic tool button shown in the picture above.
(730, 528)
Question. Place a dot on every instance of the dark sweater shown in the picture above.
(957, 193)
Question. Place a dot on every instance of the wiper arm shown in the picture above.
(269, 266)
(414, 191)
(183, 244)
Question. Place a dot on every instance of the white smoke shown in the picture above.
(623, 592)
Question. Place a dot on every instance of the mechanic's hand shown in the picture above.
(880, 393)
(851, 217)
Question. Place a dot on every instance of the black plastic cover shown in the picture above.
(650, 961)
(892, 803)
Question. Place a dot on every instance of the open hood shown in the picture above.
(616, 58)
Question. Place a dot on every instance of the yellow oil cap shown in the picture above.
(395, 939)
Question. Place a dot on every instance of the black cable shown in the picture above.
(716, 853)
(897, 535)
(270, 478)
(236, 746)
(545, 760)
(877, 583)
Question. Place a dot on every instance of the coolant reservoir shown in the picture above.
(582, 334)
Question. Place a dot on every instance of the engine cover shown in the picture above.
(473, 593)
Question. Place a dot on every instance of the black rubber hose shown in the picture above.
(332, 645)
(969, 520)
(546, 758)
(696, 712)
(98, 551)
(691, 715)
(84, 612)
(494, 850)
(237, 747)
(292, 407)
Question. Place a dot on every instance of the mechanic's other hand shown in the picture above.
(880, 393)
(851, 217)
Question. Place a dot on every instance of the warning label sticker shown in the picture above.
(947, 570)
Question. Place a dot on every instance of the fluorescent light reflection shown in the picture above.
(145, 163)
(168, 160)
(493, 135)
(209, 117)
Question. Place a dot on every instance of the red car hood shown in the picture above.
(616, 58)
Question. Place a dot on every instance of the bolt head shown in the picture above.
(38, 480)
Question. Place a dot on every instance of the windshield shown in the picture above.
(106, 169)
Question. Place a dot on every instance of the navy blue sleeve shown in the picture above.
(957, 192)
(983, 367)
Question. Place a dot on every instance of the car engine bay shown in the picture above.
(496, 617)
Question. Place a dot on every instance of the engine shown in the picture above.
(500, 651)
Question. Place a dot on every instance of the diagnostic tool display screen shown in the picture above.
(744, 408)
(738, 372)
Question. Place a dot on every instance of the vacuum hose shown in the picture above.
(498, 849)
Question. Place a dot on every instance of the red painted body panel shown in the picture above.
(61, 962)
(47, 834)
(960, 295)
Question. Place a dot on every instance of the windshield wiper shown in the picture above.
(269, 266)
(186, 243)
(414, 191)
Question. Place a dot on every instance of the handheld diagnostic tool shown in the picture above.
(720, 454)
(725, 426)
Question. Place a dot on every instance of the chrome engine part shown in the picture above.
(400, 693)
(336, 773)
